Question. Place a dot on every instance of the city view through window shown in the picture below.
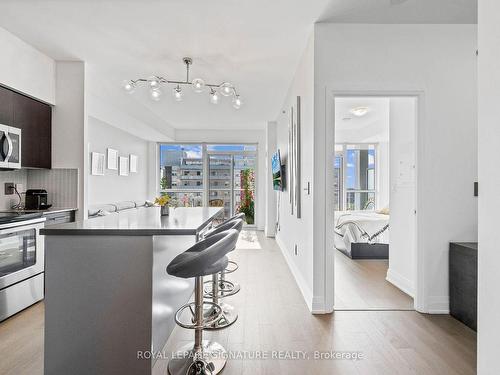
(354, 177)
(221, 175)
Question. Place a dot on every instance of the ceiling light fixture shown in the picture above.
(177, 93)
(198, 84)
(214, 96)
(155, 94)
(359, 111)
(237, 102)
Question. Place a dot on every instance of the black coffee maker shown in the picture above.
(36, 199)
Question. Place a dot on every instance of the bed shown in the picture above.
(362, 234)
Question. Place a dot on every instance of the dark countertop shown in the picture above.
(142, 222)
(51, 210)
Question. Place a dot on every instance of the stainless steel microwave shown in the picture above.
(10, 147)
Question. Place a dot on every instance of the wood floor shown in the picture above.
(273, 317)
(361, 285)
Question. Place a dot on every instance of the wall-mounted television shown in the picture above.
(277, 171)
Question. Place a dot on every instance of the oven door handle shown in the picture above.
(11, 146)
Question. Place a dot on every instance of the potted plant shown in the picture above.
(162, 201)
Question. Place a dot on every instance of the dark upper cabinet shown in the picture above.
(6, 106)
(34, 118)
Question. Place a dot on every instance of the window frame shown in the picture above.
(205, 155)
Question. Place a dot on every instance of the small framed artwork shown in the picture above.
(133, 163)
(124, 166)
(97, 164)
(112, 159)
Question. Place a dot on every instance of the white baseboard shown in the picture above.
(299, 280)
(438, 305)
(400, 282)
(318, 306)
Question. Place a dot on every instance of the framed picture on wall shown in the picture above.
(124, 166)
(97, 164)
(133, 163)
(112, 159)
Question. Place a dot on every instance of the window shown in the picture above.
(181, 173)
(355, 177)
(229, 170)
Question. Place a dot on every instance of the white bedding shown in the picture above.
(360, 226)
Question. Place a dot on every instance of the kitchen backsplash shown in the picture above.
(18, 177)
(61, 185)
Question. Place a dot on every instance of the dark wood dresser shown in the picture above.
(463, 282)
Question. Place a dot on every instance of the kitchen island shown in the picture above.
(108, 296)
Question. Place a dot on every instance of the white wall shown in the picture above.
(25, 69)
(111, 187)
(298, 232)
(489, 187)
(402, 259)
(439, 61)
(240, 136)
(69, 125)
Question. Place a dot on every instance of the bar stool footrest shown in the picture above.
(226, 289)
(233, 268)
(216, 313)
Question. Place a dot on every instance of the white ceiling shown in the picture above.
(372, 127)
(401, 11)
(254, 44)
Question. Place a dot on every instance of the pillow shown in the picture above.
(149, 204)
(383, 211)
(125, 205)
(140, 203)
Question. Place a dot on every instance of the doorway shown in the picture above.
(374, 202)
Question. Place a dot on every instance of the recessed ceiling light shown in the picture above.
(359, 111)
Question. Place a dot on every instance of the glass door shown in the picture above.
(220, 182)
(244, 186)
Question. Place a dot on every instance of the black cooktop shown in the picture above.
(11, 217)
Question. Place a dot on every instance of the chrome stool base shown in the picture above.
(210, 360)
(229, 316)
(226, 289)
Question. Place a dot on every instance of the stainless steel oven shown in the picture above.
(21, 265)
(10, 147)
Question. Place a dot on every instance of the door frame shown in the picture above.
(328, 255)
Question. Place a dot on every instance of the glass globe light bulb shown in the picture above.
(226, 89)
(214, 97)
(155, 94)
(237, 102)
(177, 93)
(198, 85)
(154, 82)
(129, 86)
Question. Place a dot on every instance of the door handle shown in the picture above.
(11, 146)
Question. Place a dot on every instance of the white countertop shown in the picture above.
(141, 222)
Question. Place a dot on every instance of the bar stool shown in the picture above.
(219, 288)
(203, 258)
(230, 288)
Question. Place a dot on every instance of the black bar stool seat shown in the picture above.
(206, 257)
